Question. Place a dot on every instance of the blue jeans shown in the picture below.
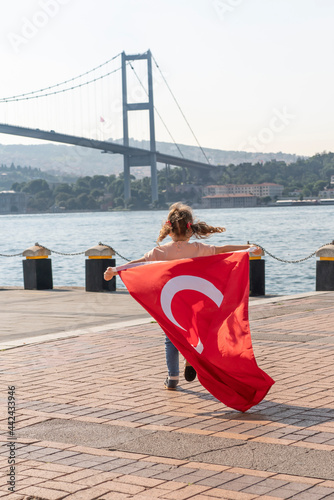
(172, 358)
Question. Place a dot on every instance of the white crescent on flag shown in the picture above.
(186, 282)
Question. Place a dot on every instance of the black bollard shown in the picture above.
(325, 269)
(37, 269)
(256, 276)
(99, 258)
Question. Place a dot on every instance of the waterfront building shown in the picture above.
(12, 202)
(259, 190)
(229, 201)
(327, 193)
(215, 190)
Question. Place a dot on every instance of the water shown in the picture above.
(287, 232)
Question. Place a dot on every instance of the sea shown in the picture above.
(288, 233)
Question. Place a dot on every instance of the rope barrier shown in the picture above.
(128, 260)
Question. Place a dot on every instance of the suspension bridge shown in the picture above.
(67, 120)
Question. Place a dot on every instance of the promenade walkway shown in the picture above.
(93, 420)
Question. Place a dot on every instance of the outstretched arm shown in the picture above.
(110, 271)
(233, 248)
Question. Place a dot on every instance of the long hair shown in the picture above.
(181, 222)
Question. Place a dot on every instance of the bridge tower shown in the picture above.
(149, 159)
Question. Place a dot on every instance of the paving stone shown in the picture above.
(69, 387)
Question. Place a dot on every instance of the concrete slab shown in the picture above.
(272, 458)
(35, 313)
(83, 433)
(177, 445)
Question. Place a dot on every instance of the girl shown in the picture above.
(181, 226)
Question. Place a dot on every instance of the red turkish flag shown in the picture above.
(202, 306)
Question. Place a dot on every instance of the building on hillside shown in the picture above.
(260, 190)
(229, 201)
(215, 190)
(12, 202)
(326, 193)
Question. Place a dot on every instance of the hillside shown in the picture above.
(303, 178)
(78, 161)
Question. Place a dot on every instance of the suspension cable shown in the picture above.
(170, 90)
(6, 99)
(141, 83)
(62, 90)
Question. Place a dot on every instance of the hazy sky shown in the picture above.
(254, 75)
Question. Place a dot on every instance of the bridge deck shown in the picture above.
(111, 147)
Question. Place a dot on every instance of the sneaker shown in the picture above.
(171, 383)
(189, 372)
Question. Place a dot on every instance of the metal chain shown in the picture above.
(60, 253)
(10, 255)
(64, 253)
(289, 261)
(128, 260)
(119, 255)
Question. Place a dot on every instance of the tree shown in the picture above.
(61, 197)
(118, 202)
(117, 187)
(86, 202)
(70, 204)
(82, 185)
(63, 188)
(98, 181)
(18, 186)
(306, 192)
(35, 186)
(319, 186)
(38, 204)
(97, 193)
(265, 200)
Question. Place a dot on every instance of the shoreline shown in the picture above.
(195, 207)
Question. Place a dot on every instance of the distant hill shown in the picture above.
(77, 161)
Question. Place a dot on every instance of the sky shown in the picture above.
(249, 75)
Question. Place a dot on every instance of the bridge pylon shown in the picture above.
(141, 160)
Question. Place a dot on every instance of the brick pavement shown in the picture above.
(94, 422)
